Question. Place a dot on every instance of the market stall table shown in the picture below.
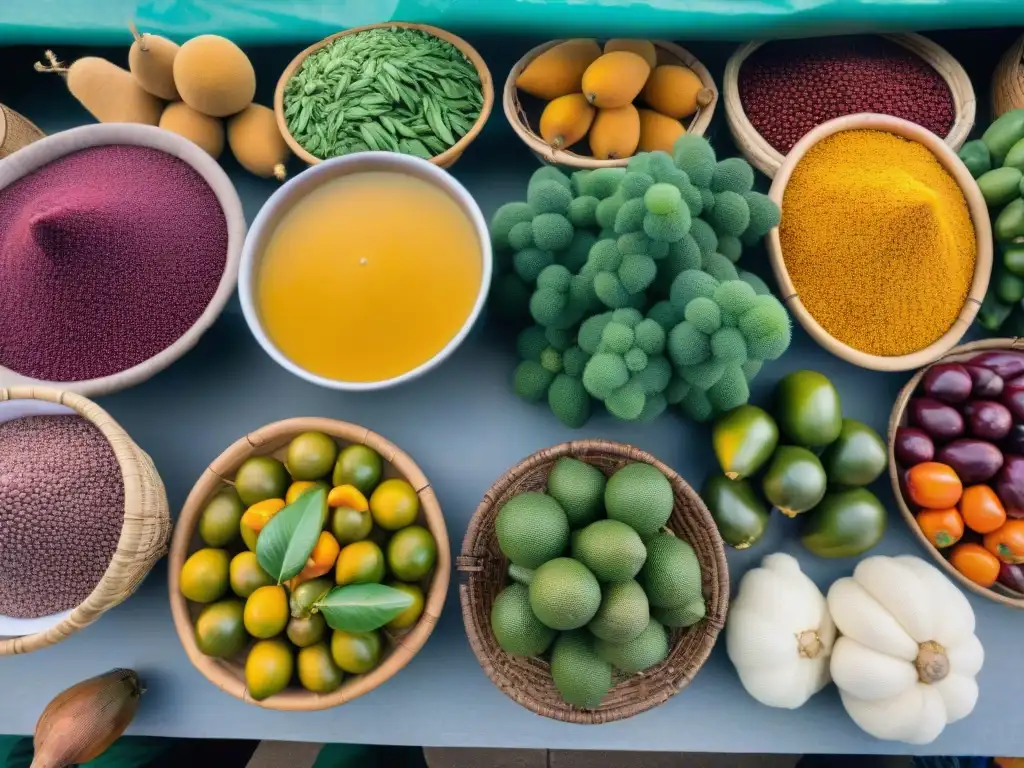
(465, 427)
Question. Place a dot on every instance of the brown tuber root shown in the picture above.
(110, 93)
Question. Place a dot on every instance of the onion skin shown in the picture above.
(1005, 363)
(947, 382)
(942, 422)
(1013, 398)
(913, 446)
(974, 461)
(1012, 576)
(988, 420)
(987, 383)
(1014, 442)
(1010, 486)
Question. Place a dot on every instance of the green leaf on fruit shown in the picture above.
(362, 607)
(287, 540)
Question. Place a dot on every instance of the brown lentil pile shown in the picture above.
(788, 87)
(61, 510)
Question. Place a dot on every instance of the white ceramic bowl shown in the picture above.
(281, 202)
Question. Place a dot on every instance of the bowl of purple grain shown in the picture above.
(776, 92)
(83, 516)
(119, 247)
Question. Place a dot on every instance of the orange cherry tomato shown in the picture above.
(942, 527)
(932, 485)
(1007, 542)
(976, 563)
(981, 509)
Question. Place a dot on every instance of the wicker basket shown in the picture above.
(1008, 80)
(144, 534)
(16, 131)
(522, 120)
(273, 440)
(528, 681)
(898, 418)
(447, 158)
(979, 216)
(767, 159)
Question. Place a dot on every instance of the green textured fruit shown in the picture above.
(1003, 133)
(218, 524)
(356, 652)
(260, 478)
(359, 466)
(857, 457)
(795, 480)
(671, 575)
(623, 614)
(268, 668)
(300, 602)
(999, 186)
(1009, 224)
(220, 631)
(520, 575)
(564, 594)
(740, 515)
(977, 158)
(532, 528)
(1014, 158)
(644, 651)
(744, 439)
(307, 631)
(807, 409)
(515, 627)
(845, 524)
(684, 616)
(640, 496)
(579, 488)
(311, 455)
(317, 671)
(580, 676)
(610, 549)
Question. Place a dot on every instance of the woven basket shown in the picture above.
(528, 681)
(16, 131)
(1008, 80)
(767, 159)
(523, 120)
(273, 440)
(144, 534)
(447, 158)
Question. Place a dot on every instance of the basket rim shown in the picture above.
(513, 110)
(444, 159)
(50, 148)
(127, 454)
(225, 674)
(1008, 79)
(716, 611)
(769, 160)
(898, 418)
(977, 207)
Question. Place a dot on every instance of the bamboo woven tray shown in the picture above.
(523, 120)
(768, 160)
(447, 158)
(16, 131)
(273, 439)
(1008, 80)
(528, 681)
(898, 418)
(144, 533)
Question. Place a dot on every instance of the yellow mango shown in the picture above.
(658, 131)
(559, 70)
(675, 91)
(615, 132)
(643, 48)
(566, 120)
(615, 79)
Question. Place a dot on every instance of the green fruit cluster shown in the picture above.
(627, 282)
(596, 581)
(818, 474)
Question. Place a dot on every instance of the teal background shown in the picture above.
(49, 22)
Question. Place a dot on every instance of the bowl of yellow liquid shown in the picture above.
(365, 271)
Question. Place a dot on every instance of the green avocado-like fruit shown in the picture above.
(218, 524)
(311, 455)
(744, 439)
(640, 496)
(740, 515)
(564, 594)
(1003, 133)
(623, 613)
(610, 549)
(515, 627)
(300, 602)
(845, 524)
(1000, 185)
(579, 488)
(683, 616)
(642, 652)
(260, 478)
(977, 158)
(857, 457)
(220, 631)
(317, 671)
(532, 528)
(359, 466)
(671, 574)
(807, 408)
(795, 480)
(581, 677)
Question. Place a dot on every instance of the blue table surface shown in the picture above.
(465, 428)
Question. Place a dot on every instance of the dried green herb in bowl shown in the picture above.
(391, 88)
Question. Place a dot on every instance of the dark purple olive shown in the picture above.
(1010, 485)
(941, 421)
(1012, 576)
(974, 461)
(1005, 363)
(948, 382)
(987, 383)
(913, 446)
(1014, 442)
(1013, 398)
(987, 419)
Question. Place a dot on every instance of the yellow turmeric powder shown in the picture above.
(878, 241)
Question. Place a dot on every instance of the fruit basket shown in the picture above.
(349, 549)
(1008, 80)
(145, 530)
(906, 414)
(528, 680)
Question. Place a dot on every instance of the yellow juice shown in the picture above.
(369, 276)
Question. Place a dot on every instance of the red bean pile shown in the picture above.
(789, 87)
(61, 510)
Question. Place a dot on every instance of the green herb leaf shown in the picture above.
(362, 607)
(286, 542)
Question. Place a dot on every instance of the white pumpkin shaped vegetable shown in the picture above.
(906, 662)
(779, 635)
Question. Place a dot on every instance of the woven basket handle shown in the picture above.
(468, 564)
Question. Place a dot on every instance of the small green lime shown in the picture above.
(356, 652)
(350, 525)
(304, 632)
(410, 615)
(219, 629)
(308, 592)
(268, 668)
(359, 466)
(412, 553)
(246, 574)
(218, 524)
(260, 478)
(317, 671)
(311, 455)
(204, 576)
